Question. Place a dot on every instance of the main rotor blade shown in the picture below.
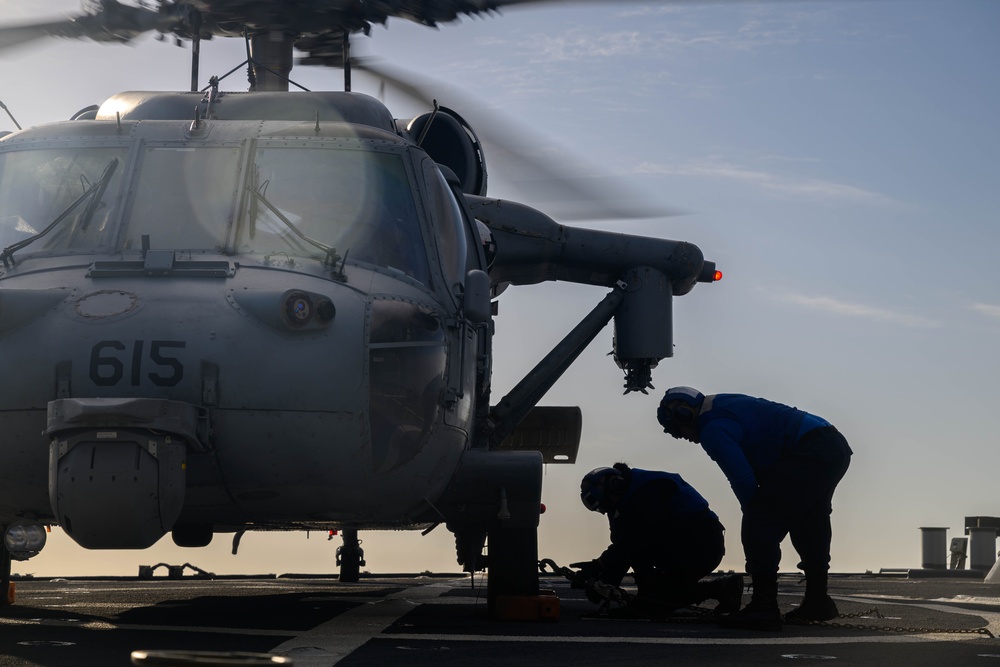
(114, 22)
(543, 175)
(19, 35)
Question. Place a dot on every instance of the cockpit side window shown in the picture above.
(356, 201)
(446, 214)
(41, 185)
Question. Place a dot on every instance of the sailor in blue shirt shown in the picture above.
(783, 465)
(662, 529)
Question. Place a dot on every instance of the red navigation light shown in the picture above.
(708, 273)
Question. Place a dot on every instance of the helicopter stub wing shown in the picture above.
(552, 430)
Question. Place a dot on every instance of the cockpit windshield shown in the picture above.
(294, 200)
(357, 202)
(185, 198)
(39, 186)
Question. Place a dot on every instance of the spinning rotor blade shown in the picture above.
(12, 36)
(550, 179)
(113, 22)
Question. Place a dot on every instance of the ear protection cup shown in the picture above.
(598, 484)
(616, 484)
(679, 406)
(682, 413)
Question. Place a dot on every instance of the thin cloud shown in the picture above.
(655, 31)
(650, 11)
(787, 158)
(988, 309)
(587, 44)
(785, 187)
(839, 308)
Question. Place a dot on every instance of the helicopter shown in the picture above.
(274, 310)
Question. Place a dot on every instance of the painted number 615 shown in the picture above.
(112, 360)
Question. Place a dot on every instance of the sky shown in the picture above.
(837, 160)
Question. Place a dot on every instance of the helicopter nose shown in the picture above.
(119, 485)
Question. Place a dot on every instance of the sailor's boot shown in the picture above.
(762, 612)
(727, 590)
(817, 605)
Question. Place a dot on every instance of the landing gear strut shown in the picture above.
(6, 597)
(512, 565)
(350, 556)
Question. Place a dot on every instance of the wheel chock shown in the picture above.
(11, 595)
(541, 607)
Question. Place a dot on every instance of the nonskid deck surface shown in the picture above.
(434, 620)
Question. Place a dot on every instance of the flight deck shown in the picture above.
(442, 619)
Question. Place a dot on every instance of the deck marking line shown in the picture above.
(104, 625)
(691, 641)
(330, 642)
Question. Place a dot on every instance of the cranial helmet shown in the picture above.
(598, 485)
(679, 407)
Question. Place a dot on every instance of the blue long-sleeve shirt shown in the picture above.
(746, 435)
(648, 521)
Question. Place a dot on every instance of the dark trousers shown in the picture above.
(673, 574)
(795, 497)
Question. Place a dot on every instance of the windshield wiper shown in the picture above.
(95, 200)
(331, 252)
(98, 189)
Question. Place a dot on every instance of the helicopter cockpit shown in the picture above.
(278, 200)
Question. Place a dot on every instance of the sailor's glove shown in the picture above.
(599, 592)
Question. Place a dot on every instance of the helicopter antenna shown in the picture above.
(340, 275)
(427, 125)
(195, 49)
(4, 107)
(251, 77)
(213, 95)
(347, 61)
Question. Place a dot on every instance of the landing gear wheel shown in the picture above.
(6, 594)
(512, 566)
(350, 557)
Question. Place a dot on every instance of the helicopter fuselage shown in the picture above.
(278, 303)
(211, 322)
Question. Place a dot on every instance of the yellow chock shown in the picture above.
(541, 607)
